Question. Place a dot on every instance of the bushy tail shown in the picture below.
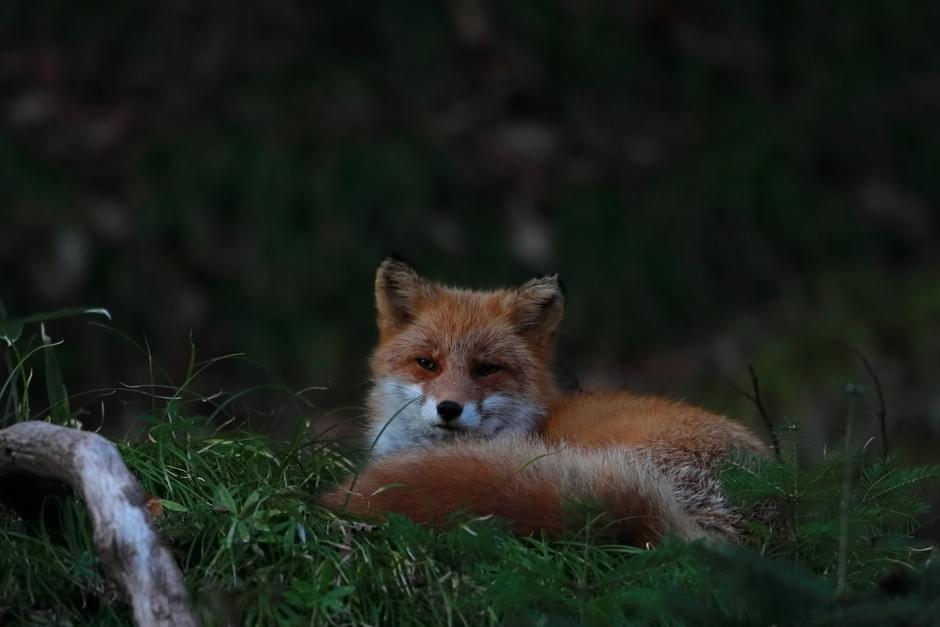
(642, 493)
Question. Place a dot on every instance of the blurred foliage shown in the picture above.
(717, 184)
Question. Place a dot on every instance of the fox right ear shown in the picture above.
(539, 308)
(399, 293)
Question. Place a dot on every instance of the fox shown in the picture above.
(465, 415)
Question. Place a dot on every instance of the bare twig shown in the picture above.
(882, 412)
(130, 551)
(758, 401)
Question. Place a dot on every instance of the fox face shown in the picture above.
(459, 363)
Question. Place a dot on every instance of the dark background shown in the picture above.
(717, 183)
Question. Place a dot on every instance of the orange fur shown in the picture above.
(520, 449)
(623, 418)
(534, 487)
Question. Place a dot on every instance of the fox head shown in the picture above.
(455, 362)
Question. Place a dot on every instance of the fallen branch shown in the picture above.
(130, 551)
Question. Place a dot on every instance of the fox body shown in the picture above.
(464, 415)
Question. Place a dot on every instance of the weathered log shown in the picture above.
(130, 551)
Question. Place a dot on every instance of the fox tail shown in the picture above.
(632, 495)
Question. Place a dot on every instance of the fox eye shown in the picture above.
(485, 370)
(427, 364)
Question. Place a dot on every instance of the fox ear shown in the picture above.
(399, 292)
(539, 308)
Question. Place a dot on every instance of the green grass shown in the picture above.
(240, 514)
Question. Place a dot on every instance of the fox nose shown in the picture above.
(449, 410)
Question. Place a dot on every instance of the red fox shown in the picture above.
(464, 415)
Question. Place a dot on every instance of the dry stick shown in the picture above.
(130, 551)
(758, 401)
(879, 392)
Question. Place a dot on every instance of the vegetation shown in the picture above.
(240, 514)
(717, 183)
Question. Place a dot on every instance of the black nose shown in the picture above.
(449, 410)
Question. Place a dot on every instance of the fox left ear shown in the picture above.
(539, 308)
(399, 293)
